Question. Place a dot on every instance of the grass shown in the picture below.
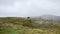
(22, 26)
(26, 30)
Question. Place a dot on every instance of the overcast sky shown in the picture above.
(25, 8)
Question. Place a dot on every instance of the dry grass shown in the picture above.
(18, 28)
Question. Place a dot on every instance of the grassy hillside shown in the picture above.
(28, 26)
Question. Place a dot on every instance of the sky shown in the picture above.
(25, 8)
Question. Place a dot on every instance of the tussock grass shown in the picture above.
(23, 26)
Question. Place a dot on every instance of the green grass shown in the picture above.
(26, 30)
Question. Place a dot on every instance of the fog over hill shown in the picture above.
(51, 17)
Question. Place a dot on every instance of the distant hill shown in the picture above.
(51, 17)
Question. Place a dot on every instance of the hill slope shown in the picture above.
(27, 26)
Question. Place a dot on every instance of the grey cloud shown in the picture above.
(29, 7)
(6, 2)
